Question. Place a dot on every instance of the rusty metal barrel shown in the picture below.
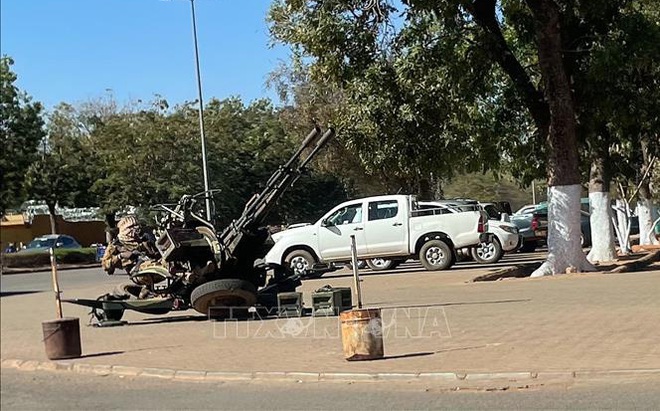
(62, 338)
(362, 334)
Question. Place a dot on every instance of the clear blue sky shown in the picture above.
(75, 50)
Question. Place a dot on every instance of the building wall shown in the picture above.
(86, 232)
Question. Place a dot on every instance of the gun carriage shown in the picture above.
(204, 268)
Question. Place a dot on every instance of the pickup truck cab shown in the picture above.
(392, 226)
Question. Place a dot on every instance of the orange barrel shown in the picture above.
(62, 338)
(362, 334)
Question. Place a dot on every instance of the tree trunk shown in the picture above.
(110, 226)
(564, 250)
(623, 226)
(424, 191)
(52, 213)
(602, 234)
(645, 209)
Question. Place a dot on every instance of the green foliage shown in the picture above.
(425, 100)
(150, 153)
(21, 131)
(39, 259)
(488, 187)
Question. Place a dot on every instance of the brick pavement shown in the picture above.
(443, 323)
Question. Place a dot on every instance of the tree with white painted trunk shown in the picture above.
(564, 249)
(602, 230)
(463, 56)
(646, 211)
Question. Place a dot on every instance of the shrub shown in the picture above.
(42, 258)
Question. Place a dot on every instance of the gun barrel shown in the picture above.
(259, 205)
(322, 142)
(306, 143)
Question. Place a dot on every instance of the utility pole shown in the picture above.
(205, 170)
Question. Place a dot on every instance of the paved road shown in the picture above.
(15, 284)
(43, 390)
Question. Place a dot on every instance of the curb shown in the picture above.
(449, 378)
(524, 270)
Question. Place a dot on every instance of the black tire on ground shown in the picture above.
(436, 255)
(230, 292)
(300, 260)
(379, 264)
(487, 253)
(361, 264)
(528, 247)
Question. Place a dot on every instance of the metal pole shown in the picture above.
(205, 170)
(56, 283)
(356, 276)
(533, 192)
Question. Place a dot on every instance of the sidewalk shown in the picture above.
(435, 322)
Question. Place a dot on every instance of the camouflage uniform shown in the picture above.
(123, 251)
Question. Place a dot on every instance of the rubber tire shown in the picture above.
(300, 253)
(234, 292)
(497, 256)
(445, 263)
(387, 264)
(361, 265)
(528, 247)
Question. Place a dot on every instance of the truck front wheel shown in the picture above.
(435, 255)
(298, 261)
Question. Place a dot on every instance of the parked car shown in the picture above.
(44, 242)
(505, 233)
(540, 226)
(391, 227)
(523, 220)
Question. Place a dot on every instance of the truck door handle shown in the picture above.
(358, 229)
(397, 224)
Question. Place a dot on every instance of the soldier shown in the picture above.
(129, 247)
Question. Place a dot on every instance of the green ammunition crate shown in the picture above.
(332, 301)
(289, 305)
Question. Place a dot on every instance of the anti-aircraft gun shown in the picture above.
(245, 240)
(200, 268)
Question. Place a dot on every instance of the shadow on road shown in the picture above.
(414, 267)
(102, 354)
(166, 320)
(384, 306)
(414, 354)
(12, 293)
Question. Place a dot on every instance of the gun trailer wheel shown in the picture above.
(223, 293)
(436, 255)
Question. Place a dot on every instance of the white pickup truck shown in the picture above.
(391, 226)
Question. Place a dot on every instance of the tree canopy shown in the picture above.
(21, 133)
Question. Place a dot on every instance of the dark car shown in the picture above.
(539, 225)
(44, 242)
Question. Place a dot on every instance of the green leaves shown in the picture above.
(21, 131)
